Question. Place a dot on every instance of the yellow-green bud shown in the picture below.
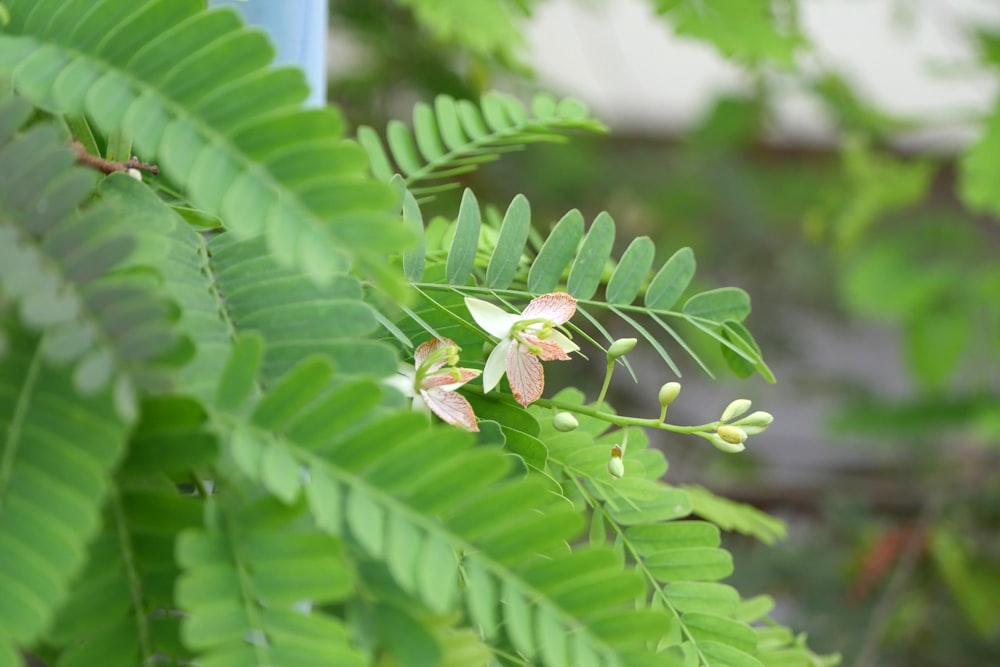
(564, 421)
(616, 467)
(734, 435)
(621, 347)
(488, 347)
(669, 392)
(756, 422)
(727, 447)
(735, 409)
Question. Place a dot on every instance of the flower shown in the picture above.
(432, 380)
(526, 339)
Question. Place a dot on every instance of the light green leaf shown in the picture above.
(367, 522)
(238, 380)
(413, 257)
(631, 271)
(671, 280)
(585, 274)
(280, 472)
(437, 575)
(559, 248)
(462, 253)
(719, 305)
(510, 244)
(684, 564)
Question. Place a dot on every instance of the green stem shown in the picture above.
(619, 420)
(607, 382)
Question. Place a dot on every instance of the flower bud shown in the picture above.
(727, 447)
(616, 467)
(621, 347)
(564, 421)
(735, 409)
(669, 392)
(734, 435)
(488, 347)
(756, 422)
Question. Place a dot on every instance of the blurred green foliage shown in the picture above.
(862, 232)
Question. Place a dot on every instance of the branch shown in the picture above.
(110, 166)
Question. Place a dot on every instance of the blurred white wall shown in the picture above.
(913, 58)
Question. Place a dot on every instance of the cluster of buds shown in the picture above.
(732, 433)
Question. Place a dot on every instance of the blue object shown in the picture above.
(298, 30)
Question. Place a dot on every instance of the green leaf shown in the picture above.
(719, 305)
(559, 248)
(437, 575)
(745, 30)
(456, 136)
(701, 596)
(238, 380)
(731, 515)
(367, 522)
(722, 654)
(585, 274)
(481, 594)
(462, 253)
(690, 563)
(413, 258)
(510, 244)
(280, 472)
(230, 131)
(408, 640)
(652, 538)
(631, 271)
(57, 452)
(671, 280)
(292, 393)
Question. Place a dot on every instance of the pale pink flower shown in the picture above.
(432, 380)
(526, 339)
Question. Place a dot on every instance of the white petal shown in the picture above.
(402, 380)
(495, 365)
(565, 343)
(494, 320)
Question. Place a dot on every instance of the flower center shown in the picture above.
(539, 327)
(444, 355)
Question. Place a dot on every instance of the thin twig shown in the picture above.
(110, 166)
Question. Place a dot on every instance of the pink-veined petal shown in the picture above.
(551, 351)
(524, 372)
(425, 349)
(494, 320)
(450, 407)
(445, 379)
(557, 307)
(495, 365)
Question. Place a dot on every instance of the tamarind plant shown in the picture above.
(212, 447)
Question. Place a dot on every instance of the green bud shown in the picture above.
(727, 447)
(564, 421)
(734, 435)
(621, 347)
(488, 346)
(735, 409)
(669, 392)
(756, 422)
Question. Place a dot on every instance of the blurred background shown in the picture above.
(838, 159)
